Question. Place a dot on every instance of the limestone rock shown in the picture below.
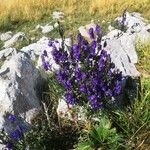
(20, 82)
(57, 15)
(110, 28)
(63, 109)
(136, 25)
(45, 29)
(35, 50)
(17, 37)
(123, 54)
(7, 52)
(6, 36)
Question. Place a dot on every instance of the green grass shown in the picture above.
(143, 65)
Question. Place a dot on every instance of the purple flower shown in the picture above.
(11, 117)
(70, 98)
(93, 44)
(95, 81)
(86, 74)
(79, 37)
(109, 93)
(84, 42)
(82, 88)
(91, 33)
(46, 65)
(117, 88)
(68, 84)
(104, 87)
(95, 105)
(9, 145)
(103, 53)
(101, 64)
(45, 53)
(112, 65)
(109, 73)
(16, 135)
(119, 76)
(76, 51)
(50, 43)
(97, 29)
(92, 98)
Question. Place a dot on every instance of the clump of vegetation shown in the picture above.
(100, 136)
(86, 71)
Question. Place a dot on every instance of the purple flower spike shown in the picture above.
(93, 44)
(117, 88)
(104, 53)
(76, 51)
(79, 37)
(82, 88)
(97, 29)
(70, 98)
(46, 65)
(109, 93)
(16, 135)
(11, 117)
(50, 43)
(91, 33)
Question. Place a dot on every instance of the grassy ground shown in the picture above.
(24, 15)
(17, 12)
(144, 57)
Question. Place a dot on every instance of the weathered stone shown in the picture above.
(113, 34)
(57, 15)
(56, 25)
(6, 36)
(7, 52)
(35, 51)
(123, 54)
(136, 25)
(63, 109)
(19, 87)
(110, 28)
(17, 37)
(45, 29)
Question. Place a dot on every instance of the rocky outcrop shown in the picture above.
(20, 84)
(6, 36)
(135, 25)
(45, 29)
(57, 15)
(35, 51)
(17, 37)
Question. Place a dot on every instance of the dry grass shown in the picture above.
(115, 7)
(30, 10)
(143, 65)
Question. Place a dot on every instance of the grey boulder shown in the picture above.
(17, 37)
(20, 82)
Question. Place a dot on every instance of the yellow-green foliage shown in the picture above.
(143, 65)
(29, 10)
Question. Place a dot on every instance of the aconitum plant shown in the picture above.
(86, 71)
